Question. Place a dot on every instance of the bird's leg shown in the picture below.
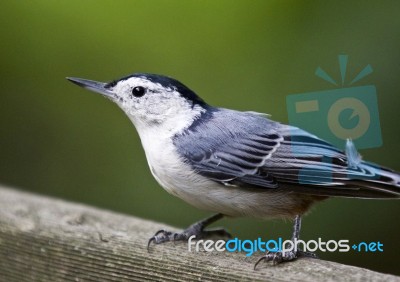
(196, 229)
(279, 256)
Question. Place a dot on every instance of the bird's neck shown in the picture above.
(171, 126)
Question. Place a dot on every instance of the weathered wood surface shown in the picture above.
(45, 239)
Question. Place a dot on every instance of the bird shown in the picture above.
(237, 163)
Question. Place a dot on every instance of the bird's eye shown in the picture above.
(138, 91)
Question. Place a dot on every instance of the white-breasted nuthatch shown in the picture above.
(237, 163)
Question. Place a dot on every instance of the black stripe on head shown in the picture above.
(167, 82)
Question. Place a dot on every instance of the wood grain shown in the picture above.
(46, 239)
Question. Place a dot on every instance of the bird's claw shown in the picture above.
(275, 257)
(196, 229)
(279, 257)
(163, 236)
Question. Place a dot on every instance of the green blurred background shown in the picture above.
(57, 139)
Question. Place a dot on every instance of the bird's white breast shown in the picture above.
(179, 179)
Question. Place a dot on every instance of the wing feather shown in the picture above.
(252, 151)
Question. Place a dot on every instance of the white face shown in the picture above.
(151, 105)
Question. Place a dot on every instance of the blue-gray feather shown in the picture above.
(249, 150)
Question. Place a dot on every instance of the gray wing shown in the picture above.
(248, 150)
(238, 148)
(237, 160)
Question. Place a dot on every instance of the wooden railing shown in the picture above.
(46, 239)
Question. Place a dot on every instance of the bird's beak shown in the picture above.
(92, 85)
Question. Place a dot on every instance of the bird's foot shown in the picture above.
(196, 229)
(279, 257)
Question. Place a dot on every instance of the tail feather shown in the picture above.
(333, 173)
(373, 176)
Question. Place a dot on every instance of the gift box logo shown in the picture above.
(335, 115)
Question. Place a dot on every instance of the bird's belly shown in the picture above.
(179, 179)
(232, 201)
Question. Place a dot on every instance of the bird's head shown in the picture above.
(151, 101)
